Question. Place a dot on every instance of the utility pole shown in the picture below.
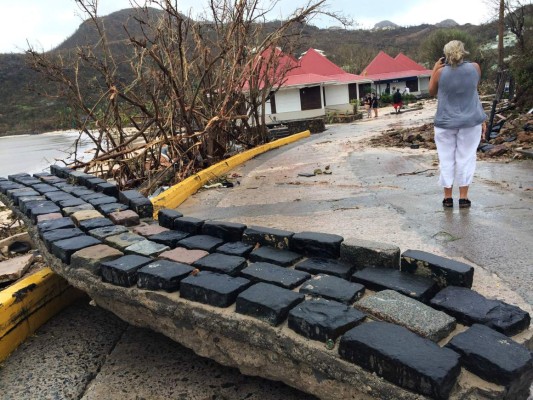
(500, 36)
(500, 77)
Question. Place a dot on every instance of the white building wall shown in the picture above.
(337, 94)
(288, 100)
(423, 84)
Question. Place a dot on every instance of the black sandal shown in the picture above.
(464, 203)
(447, 202)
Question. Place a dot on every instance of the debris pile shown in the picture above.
(414, 137)
(510, 138)
(17, 256)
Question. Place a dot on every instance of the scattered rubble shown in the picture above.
(17, 256)
(511, 138)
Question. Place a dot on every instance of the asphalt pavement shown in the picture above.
(385, 195)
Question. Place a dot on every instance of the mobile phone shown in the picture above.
(444, 60)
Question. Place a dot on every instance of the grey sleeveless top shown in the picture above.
(458, 100)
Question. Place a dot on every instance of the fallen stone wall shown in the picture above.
(338, 318)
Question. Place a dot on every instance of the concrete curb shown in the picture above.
(178, 193)
(28, 304)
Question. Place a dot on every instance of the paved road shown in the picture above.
(375, 194)
(381, 194)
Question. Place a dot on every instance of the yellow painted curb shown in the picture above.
(28, 304)
(177, 194)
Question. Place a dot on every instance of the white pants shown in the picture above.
(457, 154)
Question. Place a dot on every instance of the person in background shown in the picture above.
(368, 107)
(374, 104)
(459, 121)
(397, 101)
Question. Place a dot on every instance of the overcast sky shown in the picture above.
(46, 23)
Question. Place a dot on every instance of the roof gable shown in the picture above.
(383, 64)
(408, 63)
(315, 63)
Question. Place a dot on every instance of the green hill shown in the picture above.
(25, 109)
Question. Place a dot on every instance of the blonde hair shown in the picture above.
(454, 52)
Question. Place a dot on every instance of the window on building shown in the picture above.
(352, 91)
(412, 85)
(272, 100)
(310, 98)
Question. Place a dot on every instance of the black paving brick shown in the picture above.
(73, 202)
(402, 357)
(491, 355)
(228, 231)
(109, 208)
(274, 274)
(102, 233)
(28, 181)
(217, 290)
(81, 192)
(268, 254)
(58, 196)
(63, 249)
(162, 275)
(59, 223)
(166, 217)
(201, 242)
(25, 202)
(107, 188)
(7, 185)
(125, 196)
(418, 287)
(240, 249)
(16, 177)
(52, 180)
(44, 188)
(104, 199)
(316, 244)
(267, 302)
(78, 177)
(52, 236)
(94, 223)
(16, 194)
(59, 171)
(333, 288)
(188, 224)
(444, 271)
(470, 307)
(67, 188)
(221, 263)
(42, 209)
(325, 266)
(276, 238)
(142, 206)
(92, 182)
(320, 319)
(123, 270)
(169, 238)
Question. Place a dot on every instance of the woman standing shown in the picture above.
(375, 104)
(367, 106)
(459, 121)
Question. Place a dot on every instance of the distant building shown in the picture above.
(400, 72)
(313, 86)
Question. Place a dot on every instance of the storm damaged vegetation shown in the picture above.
(182, 95)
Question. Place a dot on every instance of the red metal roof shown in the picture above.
(384, 67)
(314, 65)
(312, 69)
(408, 62)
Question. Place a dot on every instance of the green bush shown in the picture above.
(385, 98)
